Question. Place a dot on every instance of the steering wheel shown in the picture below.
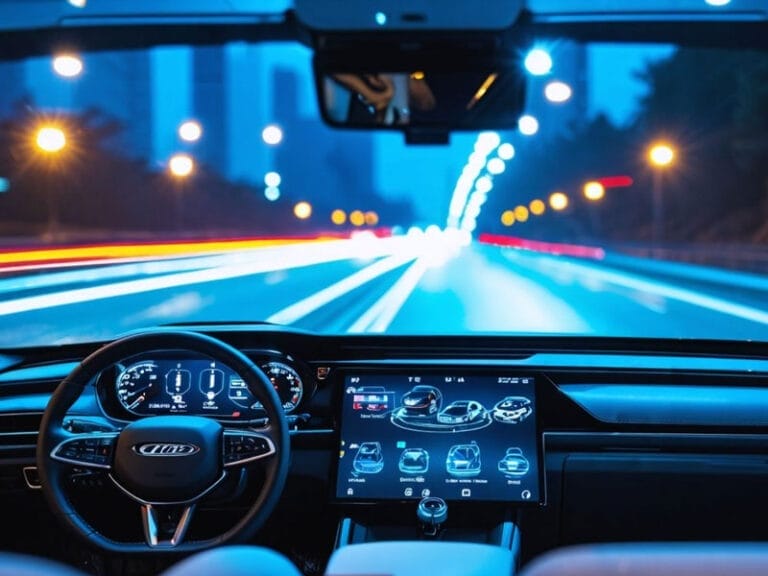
(166, 464)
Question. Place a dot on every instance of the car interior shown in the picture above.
(244, 445)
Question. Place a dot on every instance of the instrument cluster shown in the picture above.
(163, 383)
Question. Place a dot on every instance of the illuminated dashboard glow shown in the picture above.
(198, 386)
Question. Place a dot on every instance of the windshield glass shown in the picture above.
(198, 184)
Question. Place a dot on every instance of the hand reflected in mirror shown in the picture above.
(371, 95)
(385, 98)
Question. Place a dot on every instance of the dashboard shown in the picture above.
(577, 440)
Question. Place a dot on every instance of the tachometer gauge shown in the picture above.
(137, 384)
(286, 382)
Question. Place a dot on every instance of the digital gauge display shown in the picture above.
(201, 387)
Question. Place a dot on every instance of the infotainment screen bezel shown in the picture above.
(339, 378)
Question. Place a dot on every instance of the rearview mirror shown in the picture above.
(426, 104)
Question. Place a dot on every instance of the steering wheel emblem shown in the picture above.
(166, 449)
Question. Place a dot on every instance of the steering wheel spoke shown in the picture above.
(87, 450)
(165, 526)
(244, 446)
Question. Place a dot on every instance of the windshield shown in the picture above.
(198, 184)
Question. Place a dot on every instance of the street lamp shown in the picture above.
(272, 135)
(180, 167)
(50, 139)
(371, 218)
(67, 65)
(356, 218)
(521, 214)
(660, 156)
(302, 210)
(528, 125)
(537, 207)
(558, 201)
(190, 131)
(538, 62)
(558, 92)
(338, 217)
(594, 191)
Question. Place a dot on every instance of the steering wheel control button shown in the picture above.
(243, 447)
(94, 451)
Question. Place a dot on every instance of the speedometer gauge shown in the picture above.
(137, 384)
(287, 384)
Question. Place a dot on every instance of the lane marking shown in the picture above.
(379, 316)
(282, 258)
(659, 288)
(302, 308)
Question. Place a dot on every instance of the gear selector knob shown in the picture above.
(432, 512)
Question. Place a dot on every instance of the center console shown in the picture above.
(429, 455)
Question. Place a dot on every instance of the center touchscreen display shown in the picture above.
(459, 437)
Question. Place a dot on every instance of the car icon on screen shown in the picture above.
(369, 459)
(422, 400)
(514, 463)
(463, 460)
(512, 409)
(462, 412)
(414, 461)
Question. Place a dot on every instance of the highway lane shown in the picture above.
(415, 285)
(492, 289)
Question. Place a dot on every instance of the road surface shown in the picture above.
(423, 285)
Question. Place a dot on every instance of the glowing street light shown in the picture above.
(594, 191)
(272, 193)
(50, 139)
(302, 210)
(371, 218)
(557, 92)
(67, 65)
(528, 125)
(272, 135)
(558, 201)
(537, 207)
(190, 131)
(538, 62)
(508, 217)
(356, 218)
(506, 151)
(181, 165)
(521, 214)
(660, 156)
(272, 179)
(484, 184)
(495, 166)
(338, 217)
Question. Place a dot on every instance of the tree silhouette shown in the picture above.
(713, 104)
